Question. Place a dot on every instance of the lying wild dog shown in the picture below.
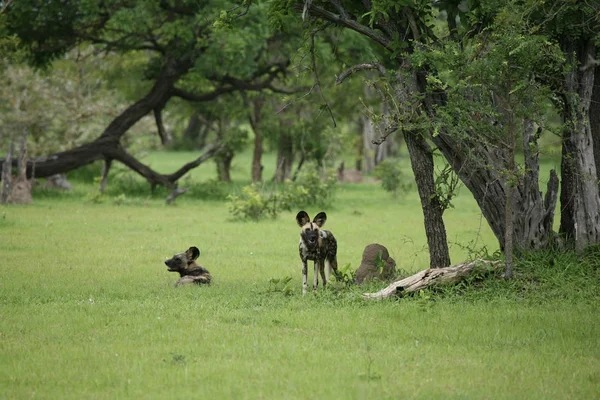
(189, 270)
(318, 245)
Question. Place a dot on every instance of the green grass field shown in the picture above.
(88, 309)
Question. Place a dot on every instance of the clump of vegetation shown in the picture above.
(257, 202)
(253, 203)
(309, 189)
(392, 178)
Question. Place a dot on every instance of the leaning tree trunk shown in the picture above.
(478, 168)
(580, 196)
(108, 146)
(109, 140)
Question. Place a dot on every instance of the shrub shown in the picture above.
(253, 204)
(257, 202)
(308, 190)
(392, 178)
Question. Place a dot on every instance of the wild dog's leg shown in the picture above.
(202, 279)
(322, 271)
(316, 277)
(304, 276)
(185, 280)
(327, 270)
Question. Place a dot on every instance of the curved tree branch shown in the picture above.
(156, 178)
(359, 67)
(349, 23)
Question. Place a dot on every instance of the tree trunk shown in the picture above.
(533, 212)
(285, 157)
(7, 175)
(368, 148)
(257, 167)
(16, 190)
(192, 130)
(433, 276)
(421, 159)
(360, 148)
(255, 116)
(223, 161)
(224, 158)
(595, 121)
(580, 196)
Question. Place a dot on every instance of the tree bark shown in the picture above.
(223, 161)
(433, 276)
(595, 121)
(421, 160)
(7, 175)
(580, 195)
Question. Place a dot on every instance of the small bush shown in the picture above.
(253, 204)
(308, 190)
(392, 178)
(257, 202)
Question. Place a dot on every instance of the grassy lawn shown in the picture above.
(88, 309)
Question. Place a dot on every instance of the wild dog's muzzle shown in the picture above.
(170, 266)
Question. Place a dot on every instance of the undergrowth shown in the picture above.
(541, 277)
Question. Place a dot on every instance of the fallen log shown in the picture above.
(434, 276)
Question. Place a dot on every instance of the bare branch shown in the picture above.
(387, 132)
(359, 67)
(5, 6)
(153, 177)
(352, 24)
(338, 6)
(212, 151)
(298, 99)
(412, 23)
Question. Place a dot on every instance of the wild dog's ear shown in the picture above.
(192, 253)
(320, 219)
(302, 218)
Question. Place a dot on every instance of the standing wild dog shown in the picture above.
(189, 270)
(318, 245)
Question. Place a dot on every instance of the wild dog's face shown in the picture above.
(181, 262)
(310, 231)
